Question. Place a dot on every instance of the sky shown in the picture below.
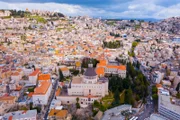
(112, 9)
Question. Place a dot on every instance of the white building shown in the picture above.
(87, 88)
(5, 13)
(65, 71)
(27, 71)
(157, 77)
(42, 93)
(167, 108)
(104, 68)
(16, 76)
(21, 115)
(34, 76)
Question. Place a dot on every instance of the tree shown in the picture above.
(126, 83)
(178, 95)
(96, 103)
(154, 90)
(178, 87)
(77, 99)
(82, 71)
(61, 76)
(128, 96)
(155, 98)
(134, 44)
(77, 105)
(116, 101)
(34, 67)
(31, 105)
(138, 65)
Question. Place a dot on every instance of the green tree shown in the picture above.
(77, 105)
(155, 98)
(134, 44)
(96, 103)
(178, 95)
(126, 83)
(128, 96)
(178, 87)
(154, 90)
(61, 76)
(116, 101)
(31, 105)
(77, 99)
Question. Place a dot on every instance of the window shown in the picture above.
(67, 101)
(81, 102)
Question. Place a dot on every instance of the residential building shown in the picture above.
(65, 71)
(157, 117)
(44, 77)
(105, 68)
(21, 115)
(58, 114)
(8, 99)
(34, 76)
(157, 77)
(167, 108)
(42, 93)
(16, 76)
(5, 13)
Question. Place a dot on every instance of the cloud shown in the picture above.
(128, 9)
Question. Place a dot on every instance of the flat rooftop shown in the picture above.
(166, 102)
(115, 113)
(157, 117)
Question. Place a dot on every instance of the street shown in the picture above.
(149, 106)
(51, 97)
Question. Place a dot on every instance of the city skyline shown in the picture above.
(111, 9)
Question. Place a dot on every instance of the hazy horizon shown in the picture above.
(109, 9)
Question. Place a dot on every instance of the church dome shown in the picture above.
(90, 72)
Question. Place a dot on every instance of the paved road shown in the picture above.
(51, 98)
(149, 106)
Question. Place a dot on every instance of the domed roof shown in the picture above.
(103, 79)
(90, 72)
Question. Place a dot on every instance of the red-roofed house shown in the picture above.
(104, 68)
(16, 76)
(42, 93)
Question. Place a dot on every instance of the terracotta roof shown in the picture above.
(44, 77)
(58, 91)
(58, 113)
(42, 88)
(19, 70)
(122, 67)
(36, 72)
(15, 74)
(112, 66)
(10, 117)
(158, 85)
(30, 94)
(100, 71)
(64, 69)
(90, 96)
(18, 88)
(4, 98)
